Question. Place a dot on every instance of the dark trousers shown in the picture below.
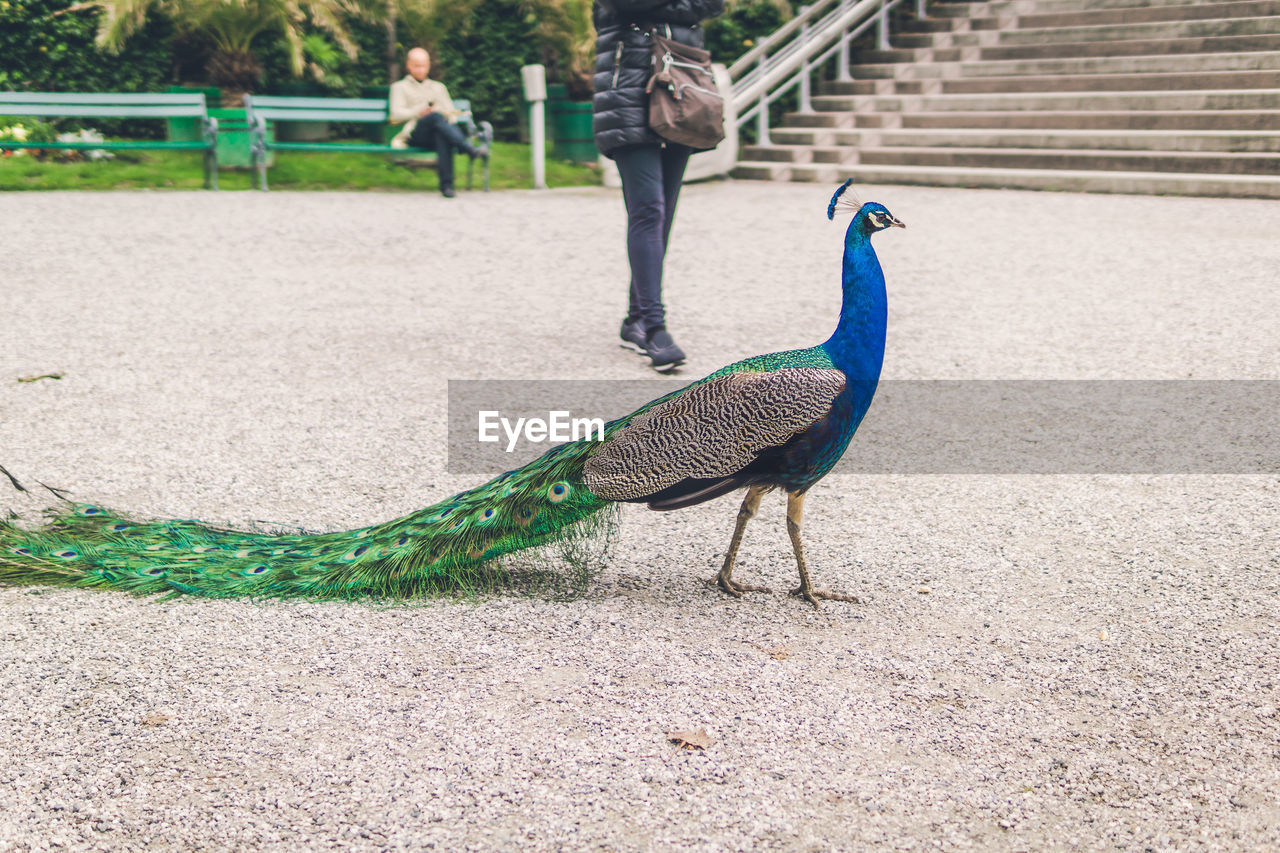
(435, 133)
(651, 180)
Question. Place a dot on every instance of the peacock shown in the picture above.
(777, 421)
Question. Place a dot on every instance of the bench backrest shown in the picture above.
(360, 110)
(270, 107)
(103, 104)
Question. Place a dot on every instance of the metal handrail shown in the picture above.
(784, 87)
(778, 36)
(803, 44)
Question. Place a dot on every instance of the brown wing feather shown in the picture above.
(714, 429)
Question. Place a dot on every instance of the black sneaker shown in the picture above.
(632, 334)
(664, 355)
(448, 192)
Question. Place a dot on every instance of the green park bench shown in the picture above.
(260, 109)
(47, 105)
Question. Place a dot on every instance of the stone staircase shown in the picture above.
(1131, 96)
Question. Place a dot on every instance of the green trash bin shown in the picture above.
(234, 139)
(189, 129)
(571, 129)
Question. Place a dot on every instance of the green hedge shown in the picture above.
(47, 46)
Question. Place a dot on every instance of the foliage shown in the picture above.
(477, 49)
(568, 38)
(482, 62)
(232, 26)
(48, 45)
(428, 23)
(511, 169)
(25, 130)
(744, 23)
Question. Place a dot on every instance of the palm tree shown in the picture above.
(569, 37)
(231, 26)
(425, 22)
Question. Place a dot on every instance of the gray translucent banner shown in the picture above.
(931, 426)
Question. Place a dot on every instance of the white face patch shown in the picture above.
(877, 219)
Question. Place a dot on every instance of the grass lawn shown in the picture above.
(511, 169)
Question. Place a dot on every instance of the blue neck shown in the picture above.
(857, 345)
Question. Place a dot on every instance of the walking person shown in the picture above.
(651, 168)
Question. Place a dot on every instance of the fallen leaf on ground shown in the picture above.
(696, 739)
(155, 718)
(38, 378)
(775, 652)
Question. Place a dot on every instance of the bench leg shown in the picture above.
(211, 169)
(486, 131)
(260, 162)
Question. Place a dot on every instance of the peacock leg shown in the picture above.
(795, 508)
(725, 580)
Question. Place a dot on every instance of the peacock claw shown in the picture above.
(813, 596)
(733, 587)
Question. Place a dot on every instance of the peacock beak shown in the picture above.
(895, 222)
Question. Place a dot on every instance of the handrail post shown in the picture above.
(921, 12)
(762, 117)
(807, 70)
(842, 64)
(882, 26)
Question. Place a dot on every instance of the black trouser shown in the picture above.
(651, 179)
(434, 132)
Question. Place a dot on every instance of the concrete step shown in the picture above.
(931, 25)
(1212, 162)
(1036, 7)
(1127, 140)
(1028, 17)
(1193, 64)
(775, 153)
(824, 137)
(1256, 99)
(1144, 183)
(1015, 8)
(1256, 141)
(1177, 81)
(1238, 120)
(833, 153)
(1135, 47)
(1141, 96)
(968, 10)
(1163, 30)
(842, 119)
(1142, 14)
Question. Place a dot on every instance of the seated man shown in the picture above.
(425, 109)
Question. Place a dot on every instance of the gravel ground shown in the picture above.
(1040, 662)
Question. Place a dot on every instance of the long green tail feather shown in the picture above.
(445, 547)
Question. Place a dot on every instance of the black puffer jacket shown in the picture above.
(624, 62)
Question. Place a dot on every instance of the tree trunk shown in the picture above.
(393, 58)
(234, 72)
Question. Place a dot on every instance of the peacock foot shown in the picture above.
(733, 587)
(813, 596)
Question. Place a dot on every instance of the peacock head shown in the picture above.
(868, 218)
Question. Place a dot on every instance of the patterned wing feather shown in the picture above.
(713, 429)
